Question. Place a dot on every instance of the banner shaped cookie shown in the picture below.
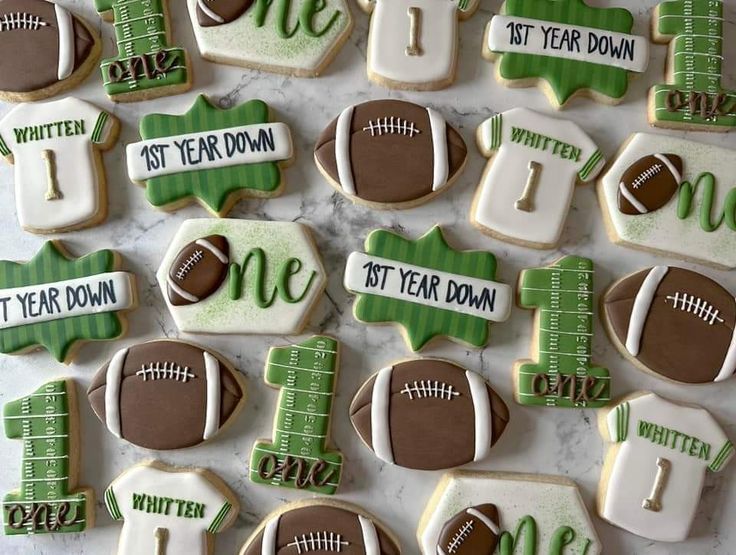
(473, 513)
(672, 196)
(427, 287)
(48, 500)
(212, 155)
(46, 50)
(298, 38)
(54, 301)
(298, 457)
(428, 414)
(564, 375)
(568, 47)
(147, 65)
(169, 510)
(414, 44)
(320, 526)
(652, 480)
(694, 97)
(241, 276)
(526, 189)
(55, 147)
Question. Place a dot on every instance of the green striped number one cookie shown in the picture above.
(297, 457)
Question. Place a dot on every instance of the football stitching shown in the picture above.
(189, 264)
(646, 175)
(165, 371)
(319, 541)
(392, 126)
(696, 306)
(21, 21)
(427, 388)
(459, 538)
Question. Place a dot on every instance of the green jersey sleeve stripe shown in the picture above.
(496, 130)
(99, 127)
(220, 518)
(723, 455)
(590, 165)
(4, 150)
(112, 504)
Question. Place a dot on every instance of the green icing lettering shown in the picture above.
(672, 439)
(308, 10)
(155, 504)
(526, 528)
(562, 537)
(538, 141)
(46, 131)
(707, 182)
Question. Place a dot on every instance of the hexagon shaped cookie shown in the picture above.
(241, 277)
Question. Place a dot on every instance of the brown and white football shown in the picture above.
(166, 394)
(42, 44)
(428, 414)
(473, 531)
(321, 528)
(676, 323)
(198, 270)
(211, 13)
(390, 152)
(649, 183)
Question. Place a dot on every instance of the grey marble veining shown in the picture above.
(564, 442)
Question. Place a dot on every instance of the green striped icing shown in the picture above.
(220, 518)
(622, 421)
(722, 457)
(590, 165)
(99, 127)
(111, 503)
(4, 150)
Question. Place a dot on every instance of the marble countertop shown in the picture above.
(562, 442)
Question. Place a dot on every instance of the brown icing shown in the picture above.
(654, 192)
(228, 10)
(302, 472)
(390, 168)
(676, 343)
(429, 433)
(30, 56)
(197, 271)
(50, 517)
(465, 534)
(165, 413)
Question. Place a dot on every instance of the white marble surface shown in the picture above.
(564, 442)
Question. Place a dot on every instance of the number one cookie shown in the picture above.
(297, 457)
(46, 501)
(564, 375)
(694, 97)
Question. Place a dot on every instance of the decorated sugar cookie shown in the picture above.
(653, 476)
(241, 277)
(526, 189)
(46, 50)
(320, 526)
(428, 414)
(212, 155)
(48, 500)
(56, 149)
(414, 45)
(694, 97)
(675, 323)
(299, 38)
(498, 513)
(297, 457)
(390, 154)
(55, 301)
(147, 65)
(430, 289)
(569, 48)
(169, 510)
(563, 374)
(672, 196)
(201, 391)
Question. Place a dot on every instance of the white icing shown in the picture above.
(632, 199)
(208, 11)
(661, 230)
(342, 150)
(233, 146)
(439, 143)
(588, 48)
(640, 310)
(370, 536)
(270, 536)
(482, 410)
(212, 415)
(380, 416)
(492, 526)
(729, 363)
(670, 166)
(67, 48)
(507, 173)
(213, 249)
(633, 472)
(75, 163)
(180, 291)
(113, 381)
(46, 302)
(499, 295)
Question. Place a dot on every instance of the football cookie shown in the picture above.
(473, 531)
(241, 277)
(390, 153)
(169, 510)
(649, 183)
(60, 182)
(675, 323)
(568, 47)
(56, 302)
(166, 394)
(210, 155)
(322, 527)
(654, 472)
(426, 286)
(428, 414)
(47, 50)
